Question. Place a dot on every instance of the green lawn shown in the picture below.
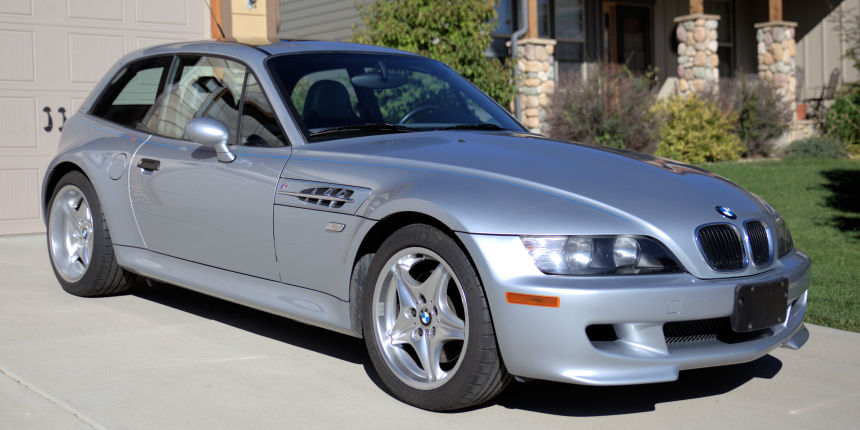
(820, 201)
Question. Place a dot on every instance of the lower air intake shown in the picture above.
(697, 331)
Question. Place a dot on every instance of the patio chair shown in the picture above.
(815, 106)
(798, 86)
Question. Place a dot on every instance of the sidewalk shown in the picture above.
(166, 358)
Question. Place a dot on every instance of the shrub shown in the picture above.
(847, 24)
(763, 114)
(609, 108)
(842, 121)
(695, 131)
(456, 32)
(816, 147)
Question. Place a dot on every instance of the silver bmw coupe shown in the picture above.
(379, 194)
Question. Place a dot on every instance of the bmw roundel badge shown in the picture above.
(726, 212)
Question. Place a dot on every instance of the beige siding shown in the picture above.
(820, 50)
(318, 19)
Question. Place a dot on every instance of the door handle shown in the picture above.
(62, 112)
(149, 164)
(50, 125)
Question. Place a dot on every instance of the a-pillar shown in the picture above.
(698, 62)
(537, 82)
(776, 57)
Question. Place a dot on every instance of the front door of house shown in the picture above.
(634, 36)
(627, 35)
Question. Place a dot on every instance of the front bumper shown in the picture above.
(552, 343)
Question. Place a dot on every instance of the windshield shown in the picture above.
(336, 95)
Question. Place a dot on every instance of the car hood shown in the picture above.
(627, 184)
(504, 183)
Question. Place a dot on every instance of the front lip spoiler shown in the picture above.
(798, 339)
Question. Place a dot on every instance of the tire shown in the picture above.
(79, 243)
(427, 324)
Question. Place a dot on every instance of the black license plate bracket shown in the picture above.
(759, 305)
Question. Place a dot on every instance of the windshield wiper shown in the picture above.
(481, 126)
(358, 128)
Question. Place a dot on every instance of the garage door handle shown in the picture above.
(148, 164)
(50, 125)
(62, 112)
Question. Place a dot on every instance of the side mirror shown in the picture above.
(211, 132)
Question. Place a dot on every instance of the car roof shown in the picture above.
(278, 48)
(291, 46)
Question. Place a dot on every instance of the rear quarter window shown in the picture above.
(130, 97)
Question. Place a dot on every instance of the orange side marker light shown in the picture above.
(532, 300)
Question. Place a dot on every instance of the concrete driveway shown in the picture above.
(166, 358)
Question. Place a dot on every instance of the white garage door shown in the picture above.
(52, 52)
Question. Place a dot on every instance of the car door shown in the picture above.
(186, 202)
(112, 128)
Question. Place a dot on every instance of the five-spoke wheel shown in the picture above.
(420, 317)
(70, 233)
(427, 324)
(79, 242)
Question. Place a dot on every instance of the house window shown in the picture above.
(562, 20)
(508, 17)
(725, 34)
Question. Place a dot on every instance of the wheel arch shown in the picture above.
(112, 195)
(52, 177)
(371, 243)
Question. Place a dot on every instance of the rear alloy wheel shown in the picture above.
(79, 241)
(71, 233)
(427, 325)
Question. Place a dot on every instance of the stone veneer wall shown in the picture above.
(536, 66)
(698, 62)
(776, 57)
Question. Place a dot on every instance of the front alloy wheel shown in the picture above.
(420, 318)
(427, 324)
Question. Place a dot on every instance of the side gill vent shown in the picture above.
(325, 196)
(759, 243)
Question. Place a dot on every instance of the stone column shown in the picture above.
(776, 57)
(536, 65)
(698, 62)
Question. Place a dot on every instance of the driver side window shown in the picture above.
(201, 87)
(259, 127)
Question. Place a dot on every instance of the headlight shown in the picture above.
(599, 255)
(784, 243)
